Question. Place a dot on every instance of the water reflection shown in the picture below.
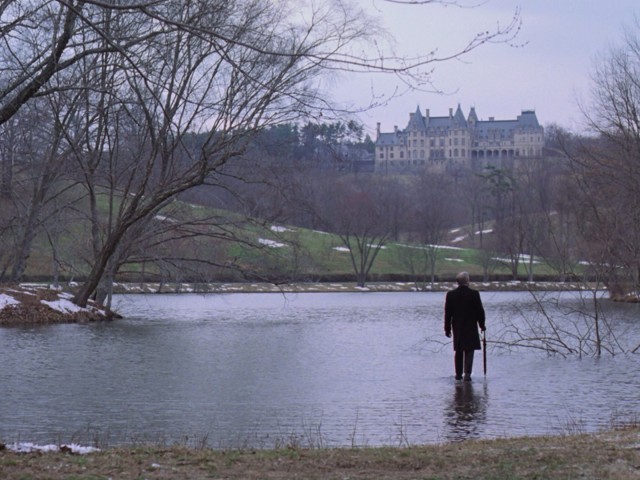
(466, 413)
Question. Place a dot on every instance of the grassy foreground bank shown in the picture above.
(607, 455)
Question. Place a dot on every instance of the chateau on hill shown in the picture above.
(443, 143)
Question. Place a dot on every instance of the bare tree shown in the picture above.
(187, 81)
(607, 171)
(427, 224)
(556, 200)
(566, 324)
(476, 196)
(40, 161)
(40, 38)
(508, 216)
(147, 73)
(358, 211)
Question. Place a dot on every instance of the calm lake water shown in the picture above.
(314, 369)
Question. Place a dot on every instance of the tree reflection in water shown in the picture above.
(466, 413)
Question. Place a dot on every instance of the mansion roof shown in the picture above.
(525, 122)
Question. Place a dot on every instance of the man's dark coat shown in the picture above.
(463, 314)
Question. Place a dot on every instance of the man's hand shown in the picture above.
(448, 334)
(484, 329)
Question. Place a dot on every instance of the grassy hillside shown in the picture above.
(325, 255)
(273, 252)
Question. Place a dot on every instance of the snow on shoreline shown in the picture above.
(6, 300)
(28, 447)
(63, 305)
(41, 303)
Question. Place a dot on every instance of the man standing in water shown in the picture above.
(463, 314)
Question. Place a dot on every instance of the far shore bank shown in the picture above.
(336, 287)
(41, 303)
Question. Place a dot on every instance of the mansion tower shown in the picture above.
(443, 143)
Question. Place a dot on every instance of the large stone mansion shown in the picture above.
(454, 141)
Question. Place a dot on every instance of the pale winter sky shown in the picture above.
(549, 71)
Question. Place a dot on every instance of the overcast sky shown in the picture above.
(548, 72)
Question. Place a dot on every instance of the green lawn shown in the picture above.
(278, 252)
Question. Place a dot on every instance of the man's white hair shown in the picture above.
(462, 278)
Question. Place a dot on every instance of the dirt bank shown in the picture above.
(37, 304)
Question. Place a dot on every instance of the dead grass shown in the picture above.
(610, 455)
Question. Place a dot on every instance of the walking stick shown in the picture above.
(484, 352)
